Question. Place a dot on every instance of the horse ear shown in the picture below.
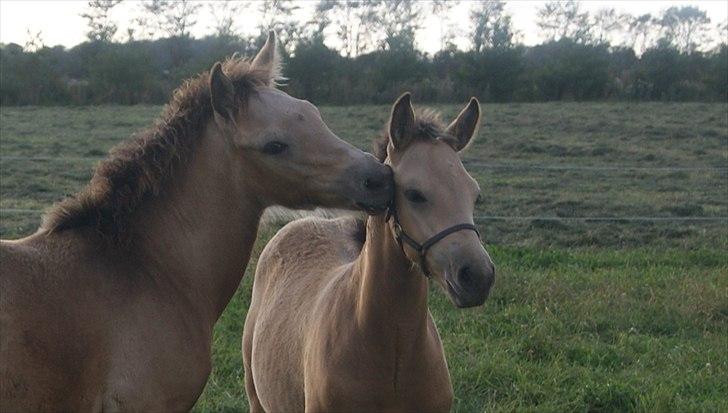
(402, 122)
(268, 59)
(463, 128)
(222, 93)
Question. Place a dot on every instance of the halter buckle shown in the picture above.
(397, 230)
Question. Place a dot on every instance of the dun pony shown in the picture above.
(339, 319)
(110, 305)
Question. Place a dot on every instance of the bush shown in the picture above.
(148, 71)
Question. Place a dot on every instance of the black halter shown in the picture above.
(422, 249)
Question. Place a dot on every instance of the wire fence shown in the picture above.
(470, 163)
(51, 158)
(620, 168)
(480, 218)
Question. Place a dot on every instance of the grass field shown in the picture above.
(585, 315)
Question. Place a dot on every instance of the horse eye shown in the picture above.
(274, 148)
(415, 196)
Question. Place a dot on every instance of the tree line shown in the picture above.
(366, 52)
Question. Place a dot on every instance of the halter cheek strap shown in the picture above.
(401, 236)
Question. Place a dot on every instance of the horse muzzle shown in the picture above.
(374, 190)
(470, 286)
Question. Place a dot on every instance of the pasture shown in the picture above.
(586, 315)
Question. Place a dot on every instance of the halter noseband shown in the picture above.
(422, 249)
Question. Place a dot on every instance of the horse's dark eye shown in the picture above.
(415, 196)
(274, 148)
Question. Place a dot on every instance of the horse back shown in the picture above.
(310, 243)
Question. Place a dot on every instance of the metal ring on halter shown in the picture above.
(401, 236)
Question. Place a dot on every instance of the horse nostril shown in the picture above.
(373, 184)
(465, 277)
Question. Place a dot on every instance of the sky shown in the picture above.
(60, 22)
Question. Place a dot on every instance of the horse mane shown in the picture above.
(428, 126)
(141, 167)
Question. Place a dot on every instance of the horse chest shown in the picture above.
(372, 378)
(160, 364)
(354, 394)
(157, 381)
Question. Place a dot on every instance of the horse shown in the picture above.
(111, 304)
(339, 318)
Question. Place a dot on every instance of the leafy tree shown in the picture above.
(660, 70)
(492, 26)
(147, 24)
(316, 72)
(605, 23)
(352, 21)
(396, 22)
(642, 31)
(225, 13)
(31, 78)
(120, 74)
(278, 15)
(565, 20)
(442, 9)
(494, 74)
(153, 19)
(180, 17)
(174, 18)
(101, 27)
(130, 34)
(386, 73)
(716, 78)
(34, 42)
(317, 26)
(381, 63)
(685, 27)
(567, 70)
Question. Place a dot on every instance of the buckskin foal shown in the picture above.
(111, 304)
(339, 318)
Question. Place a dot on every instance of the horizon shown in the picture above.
(60, 22)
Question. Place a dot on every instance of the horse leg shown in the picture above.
(255, 406)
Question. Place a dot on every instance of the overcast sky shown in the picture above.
(60, 21)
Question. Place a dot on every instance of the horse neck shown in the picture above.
(199, 236)
(392, 296)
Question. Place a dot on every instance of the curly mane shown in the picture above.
(142, 166)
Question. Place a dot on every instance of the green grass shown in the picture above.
(564, 330)
(584, 316)
(595, 134)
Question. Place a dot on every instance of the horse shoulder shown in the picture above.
(42, 304)
(299, 273)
